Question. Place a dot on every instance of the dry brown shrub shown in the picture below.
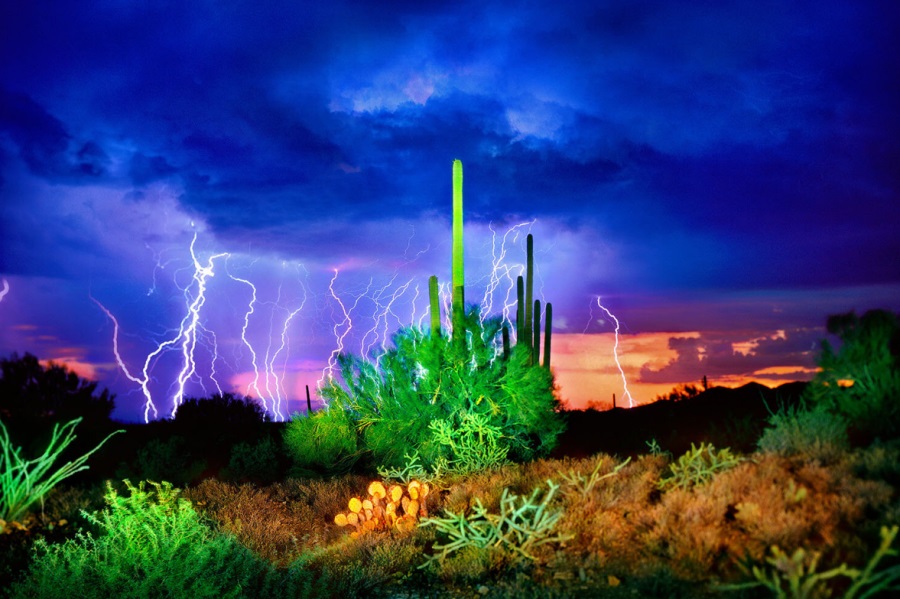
(789, 502)
(280, 521)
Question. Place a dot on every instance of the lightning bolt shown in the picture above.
(186, 338)
(267, 384)
(503, 275)
(328, 371)
(615, 347)
(142, 381)
(188, 330)
(5, 289)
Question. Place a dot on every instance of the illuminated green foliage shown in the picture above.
(474, 444)
(523, 524)
(24, 482)
(698, 465)
(458, 310)
(861, 381)
(795, 576)
(322, 442)
(815, 433)
(150, 543)
(391, 406)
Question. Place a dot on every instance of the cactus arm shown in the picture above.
(529, 289)
(434, 302)
(506, 348)
(536, 348)
(548, 324)
(520, 309)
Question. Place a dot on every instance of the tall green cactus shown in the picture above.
(536, 347)
(506, 347)
(458, 315)
(529, 290)
(520, 309)
(548, 324)
(434, 302)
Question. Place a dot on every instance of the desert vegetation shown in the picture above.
(811, 511)
(432, 472)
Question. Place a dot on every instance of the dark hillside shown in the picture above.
(725, 417)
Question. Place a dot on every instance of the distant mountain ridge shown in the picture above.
(723, 416)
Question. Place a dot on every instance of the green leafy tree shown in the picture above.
(860, 381)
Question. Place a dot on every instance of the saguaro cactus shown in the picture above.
(529, 289)
(548, 324)
(457, 316)
(520, 309)
(435, 304)
(536, 348)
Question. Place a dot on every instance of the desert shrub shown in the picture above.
(473, 445)
(392, 401)
(150, 543)
(698, 465)
(815, 433)
(861, 381)
(324, 442)
(24, 482)
(167, 459)
(522, 525)
(258, 462)
(797, 576)
(702, 532)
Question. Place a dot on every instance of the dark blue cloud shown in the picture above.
(710, 151)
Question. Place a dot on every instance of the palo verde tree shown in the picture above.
(455, 401)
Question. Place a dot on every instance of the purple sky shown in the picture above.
(723, 175)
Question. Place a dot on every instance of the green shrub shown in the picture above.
(391, 402)
(698, 465)
(24, 482)
(149, 544)
(473, 445)
(816, 433)
(861, 381)
(324, 442)
(165, 459)
(253, 462)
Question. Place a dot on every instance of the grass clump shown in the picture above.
(25, 482)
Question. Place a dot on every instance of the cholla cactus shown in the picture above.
(384, 509)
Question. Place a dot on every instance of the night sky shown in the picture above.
(722, 175)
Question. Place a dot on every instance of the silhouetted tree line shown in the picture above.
(206, 437)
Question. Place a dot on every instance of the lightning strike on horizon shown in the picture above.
(339, 337)
(269, 379)
(5, 289)
(189, 335)
(615, 347)
(143, 382)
